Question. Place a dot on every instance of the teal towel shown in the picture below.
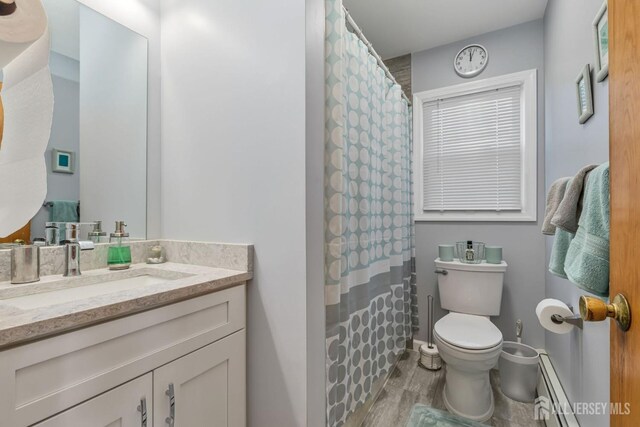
(424, 416)
(559, 252)
(63, 211)
(587, 263)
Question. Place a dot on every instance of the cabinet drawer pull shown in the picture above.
(170, 420)
(142, 408)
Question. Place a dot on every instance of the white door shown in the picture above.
(205, 388)
(121, 407)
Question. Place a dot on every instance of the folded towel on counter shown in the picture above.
(63, 211)
(587, 262)
(554, 198)
(559, 252)
(568, 212)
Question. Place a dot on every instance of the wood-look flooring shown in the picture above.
(410, 384)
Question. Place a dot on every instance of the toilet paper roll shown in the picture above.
(27, 98)
(20, 28)
(548, 307)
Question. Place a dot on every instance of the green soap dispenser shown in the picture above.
(119, 256)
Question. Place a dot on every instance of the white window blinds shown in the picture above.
(472, 154)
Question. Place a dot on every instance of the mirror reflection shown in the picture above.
(96, 156)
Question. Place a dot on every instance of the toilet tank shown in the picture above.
(471, 288)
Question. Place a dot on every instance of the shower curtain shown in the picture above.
(370, 290)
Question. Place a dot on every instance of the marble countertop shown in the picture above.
(21, 325)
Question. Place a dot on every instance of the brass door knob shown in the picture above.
(596, 310)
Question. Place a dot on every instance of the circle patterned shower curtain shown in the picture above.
(370, 285)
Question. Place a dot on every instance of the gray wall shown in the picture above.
(510, 50)
(233, 157)
(581, 358)
(315, 101)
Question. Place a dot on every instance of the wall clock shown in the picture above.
(471, 60)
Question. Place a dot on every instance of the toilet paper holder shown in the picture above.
(575, 320)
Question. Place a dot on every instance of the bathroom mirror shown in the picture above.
(97, 153)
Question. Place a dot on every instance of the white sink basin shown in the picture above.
(65, 290)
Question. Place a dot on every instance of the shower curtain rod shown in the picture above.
(372, 51)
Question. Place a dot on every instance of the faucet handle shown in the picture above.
(86, 245)
(83, 245)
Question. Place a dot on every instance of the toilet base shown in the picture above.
(467, 390)
(481, 418)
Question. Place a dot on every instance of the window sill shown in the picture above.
(475, 216)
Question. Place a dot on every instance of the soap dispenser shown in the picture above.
(97, 235)
(119, 256)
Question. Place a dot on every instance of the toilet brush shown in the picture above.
(518, 351)
(429, 356)
(519, 330)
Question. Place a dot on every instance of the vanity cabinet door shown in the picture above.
(123, 407)
(204, 388)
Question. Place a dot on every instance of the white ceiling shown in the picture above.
(398, 27)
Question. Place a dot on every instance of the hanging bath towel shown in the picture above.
(587, 263)
(554, 198)
(559, 252)
(64, 211)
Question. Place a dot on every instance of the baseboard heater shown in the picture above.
(551, 395)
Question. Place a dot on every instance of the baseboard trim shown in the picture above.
(550, 388)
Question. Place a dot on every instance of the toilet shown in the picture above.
(468, 342)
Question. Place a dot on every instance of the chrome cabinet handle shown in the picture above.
(142, 408)
(171, 419)
(443, 272)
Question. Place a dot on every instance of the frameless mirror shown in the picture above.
(97, 153)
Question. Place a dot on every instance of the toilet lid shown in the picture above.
(468, 331)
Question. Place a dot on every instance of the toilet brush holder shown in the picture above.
(430, 357)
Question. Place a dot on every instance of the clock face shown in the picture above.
(471, 60)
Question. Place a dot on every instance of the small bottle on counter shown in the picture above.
(470, 254)
(119, 255)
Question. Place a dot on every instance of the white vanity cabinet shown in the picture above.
(204, 388)
(185, 362)
(126, 406)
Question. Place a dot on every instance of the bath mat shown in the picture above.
(424, 416)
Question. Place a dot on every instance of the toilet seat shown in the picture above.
(467, 331)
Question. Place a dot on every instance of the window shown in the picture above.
(476, 150)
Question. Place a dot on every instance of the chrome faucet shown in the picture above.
(72, 249)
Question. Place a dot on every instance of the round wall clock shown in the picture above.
(471, 60)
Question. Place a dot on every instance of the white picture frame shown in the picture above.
(584, 95)
(601, 39)
(62, 161)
